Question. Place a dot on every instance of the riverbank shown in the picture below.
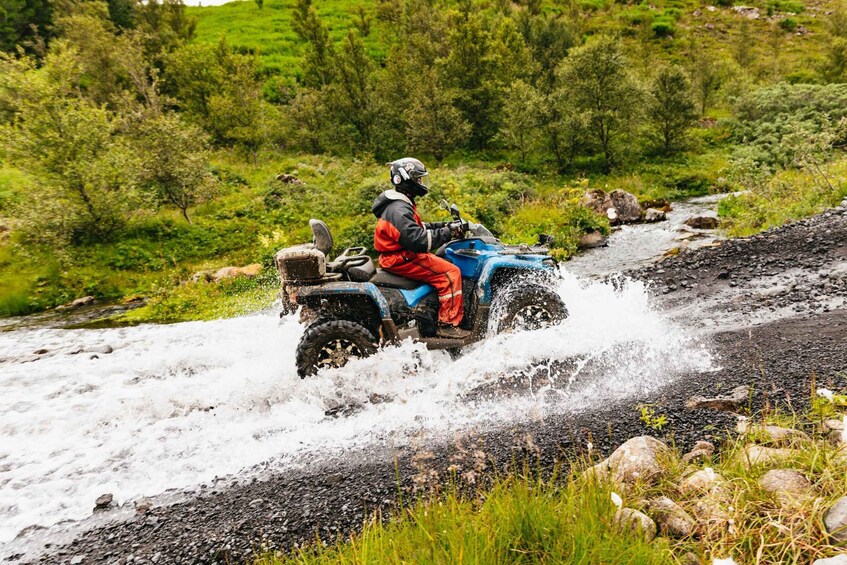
(779, 355)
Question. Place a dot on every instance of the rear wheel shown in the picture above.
(530, 308)
(331, 344)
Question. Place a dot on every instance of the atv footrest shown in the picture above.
(447, 343)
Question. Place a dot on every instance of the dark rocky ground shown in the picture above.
(777, 339)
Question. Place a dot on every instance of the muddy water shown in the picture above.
(175, 406)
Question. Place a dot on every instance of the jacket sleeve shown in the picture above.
(414, 237)
(434, 225)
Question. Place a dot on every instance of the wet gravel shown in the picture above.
(229, 522)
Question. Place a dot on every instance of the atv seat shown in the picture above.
(384, 278)
(362, 273)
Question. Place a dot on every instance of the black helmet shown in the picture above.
(407, 175)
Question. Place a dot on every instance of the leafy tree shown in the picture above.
(550, 37)
(317, 62)
(24, 22)
(706, 78)
(521, 119)
(350, 98)
(174, 157)
(308, 120)
(122, 13)
(433, 124)
(470, 69)
(194, 73)
(564, 128)
(670, 108)
(597, 79)
(742, 45)
(164, 25)
(85, 182)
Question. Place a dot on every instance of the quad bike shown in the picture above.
(352, 308)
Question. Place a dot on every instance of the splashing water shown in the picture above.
(175, 406)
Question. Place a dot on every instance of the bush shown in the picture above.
(663, 26)
(788, 24)
(788, 6)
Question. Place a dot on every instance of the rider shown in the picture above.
(404, 242)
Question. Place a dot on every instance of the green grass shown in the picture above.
(268, 31)
(790, 195)
(520, 518)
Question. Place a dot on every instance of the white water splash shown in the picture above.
(175, 406)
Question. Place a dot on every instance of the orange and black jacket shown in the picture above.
(400, 228)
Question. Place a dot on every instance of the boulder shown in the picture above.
(627, 206)
(771, 435)
(639, 459)
(759, 455)
(619, 206)
(726, 403)
(786, 485)
(592, 239)
(704, 481)
(671, 518)
(702, 222)
(835, 520)
(637, 522)
(655, 215)
(837, 560)
(232, 272)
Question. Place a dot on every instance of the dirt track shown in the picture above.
(775, 307)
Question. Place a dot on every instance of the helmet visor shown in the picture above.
(421, 179)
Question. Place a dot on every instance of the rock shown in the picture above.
(671, 518)
(103, 501)
(786, 485)
(103, 349)
(203, 276)
(143, 505)
(654, 215)
(702, 222)
(639, 459)
(704, 481)
(288, 179)
(836, 520)
(726, 403)
(636, 522)
(626, 205)
(619, 206)
(232, 272)
(747, 12)
(702, 450)
(77, 559)
(40, 352)
(251, 270)
(78, 303)
(758, 455)
(592, 239)
(771, 435)
(837, 560)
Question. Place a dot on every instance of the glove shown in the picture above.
(458, 228)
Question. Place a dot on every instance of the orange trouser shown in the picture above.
(426, 267)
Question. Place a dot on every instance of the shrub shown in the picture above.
(663, 26)
(788, 24)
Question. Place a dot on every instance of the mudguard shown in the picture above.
(350, 289)
(511, 262)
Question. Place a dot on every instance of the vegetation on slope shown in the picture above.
(142, 141)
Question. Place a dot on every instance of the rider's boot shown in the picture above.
(452, 332)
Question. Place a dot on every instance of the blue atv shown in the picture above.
(352, 308)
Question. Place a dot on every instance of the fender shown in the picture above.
(514, 262)
(347, 288)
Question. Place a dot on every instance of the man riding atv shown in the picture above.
(405, 243)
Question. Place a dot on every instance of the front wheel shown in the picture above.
(332, 344)
(529, 308)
